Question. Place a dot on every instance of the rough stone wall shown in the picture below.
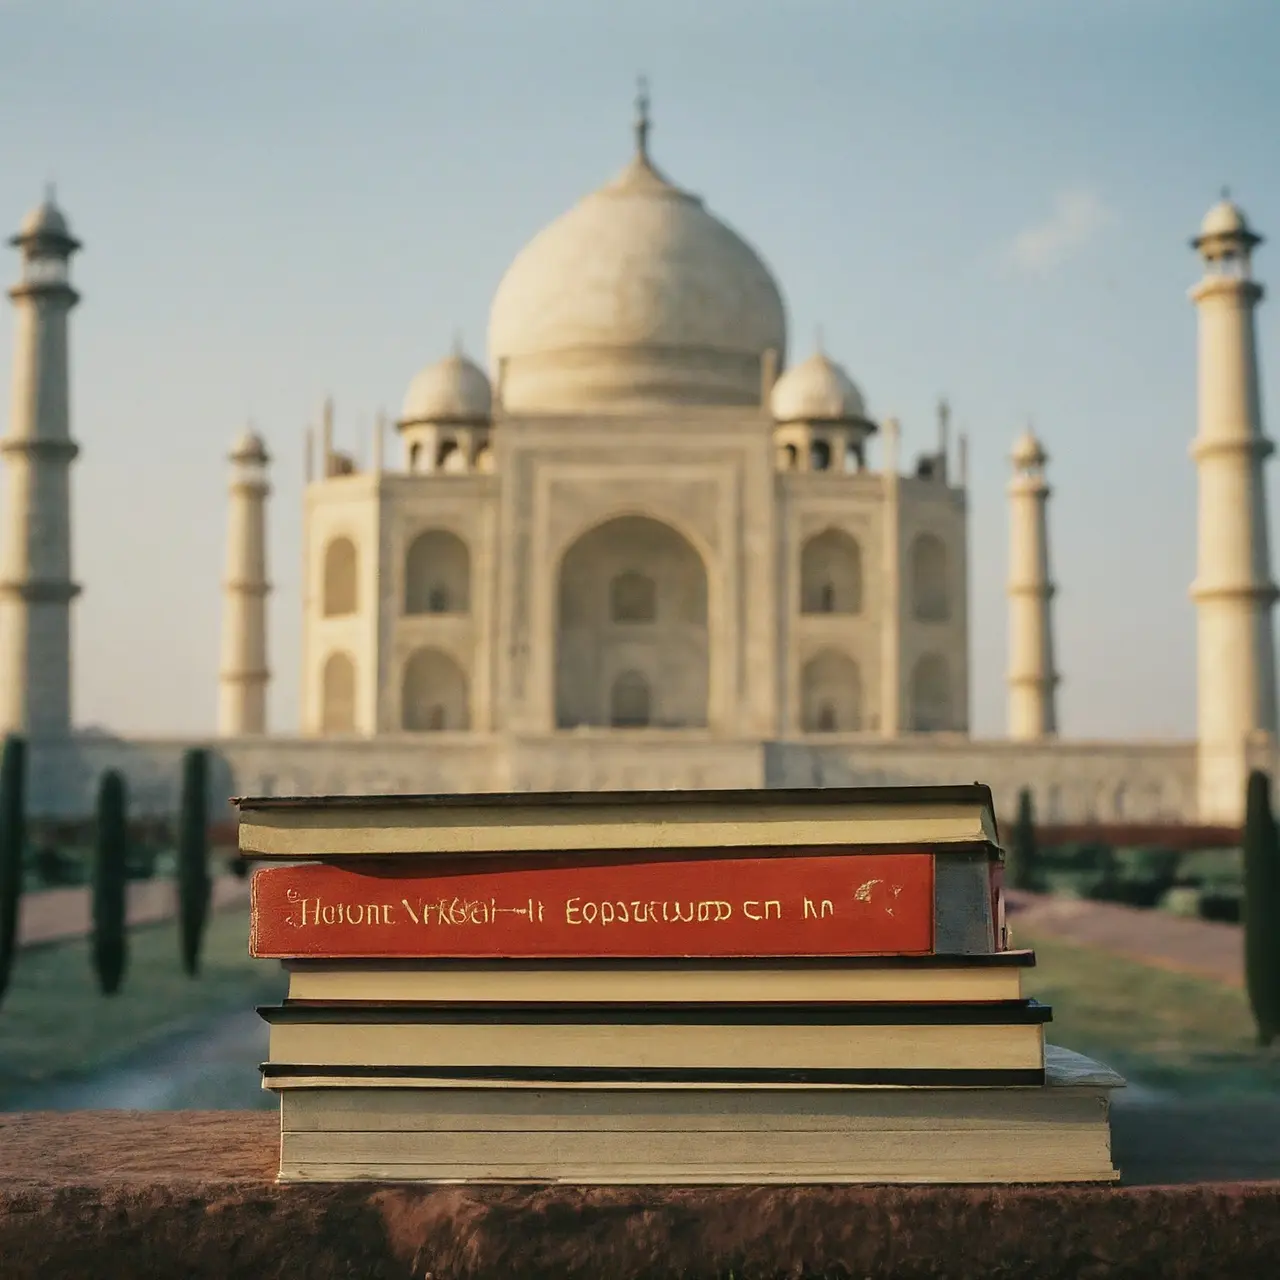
(192, 1195)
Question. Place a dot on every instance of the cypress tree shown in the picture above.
(13, 840)
(1262, 907)
(1020, 858)
(193, 857)
(110, 945)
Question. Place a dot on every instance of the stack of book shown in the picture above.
(669, 987)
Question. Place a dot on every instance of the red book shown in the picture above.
(846, 905)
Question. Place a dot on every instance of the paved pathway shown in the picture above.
(1205, 948)
(51, 915)
(211, 1069)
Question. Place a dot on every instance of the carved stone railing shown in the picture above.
(112, 1195)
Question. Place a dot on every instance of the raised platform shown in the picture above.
(112, 1195)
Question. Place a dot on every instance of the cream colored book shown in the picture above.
(1056, 1133)
(316, 827)
(1063, 1069)
(663, 1041)
(691, 982)
(922, 1155)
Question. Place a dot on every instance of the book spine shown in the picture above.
(744, 907)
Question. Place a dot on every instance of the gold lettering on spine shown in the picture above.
(314, 912)
(458, 912)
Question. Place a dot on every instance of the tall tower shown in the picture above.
(243, 678)
(1033, 680)
(36, 589)
(1233, 590)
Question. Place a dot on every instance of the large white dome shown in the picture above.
(637, 295)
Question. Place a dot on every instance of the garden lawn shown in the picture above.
(55, 1023)
(1169, 1031)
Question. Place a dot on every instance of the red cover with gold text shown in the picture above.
(843, 905)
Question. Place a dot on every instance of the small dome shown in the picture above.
(1224, 219)
(45, 223)
(46, 219)
(818, 390)
(1028, 451)
(452, 390)
(1224, 231)
(249, 447)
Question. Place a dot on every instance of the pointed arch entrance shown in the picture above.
(631, 615)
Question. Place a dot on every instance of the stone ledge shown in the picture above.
(112, 1195)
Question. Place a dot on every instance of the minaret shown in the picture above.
(36, 588)
(242, 682)
(1033, 680)
(891, 634)
(1233, 590)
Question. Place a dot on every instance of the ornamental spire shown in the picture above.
(642, 123)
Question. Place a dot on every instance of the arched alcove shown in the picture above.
(930, 599)
(629, 570)
(930, 694)
(339, 588)
(831, 574)
(437, 574)
(830, 693)
(433, 693)
(629, 701)
(338, 694)
(633, 598)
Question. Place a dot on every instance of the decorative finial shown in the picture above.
(643, 122)
(50, 192)
(1226, 193)
(457, 343)
(819, 345)
(944, 412)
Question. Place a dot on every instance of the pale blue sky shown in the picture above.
(284, 198)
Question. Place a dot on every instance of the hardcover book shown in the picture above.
(986, 1043)
(291, 827)
(837, 905)
(392, 1129)
(867, 980)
